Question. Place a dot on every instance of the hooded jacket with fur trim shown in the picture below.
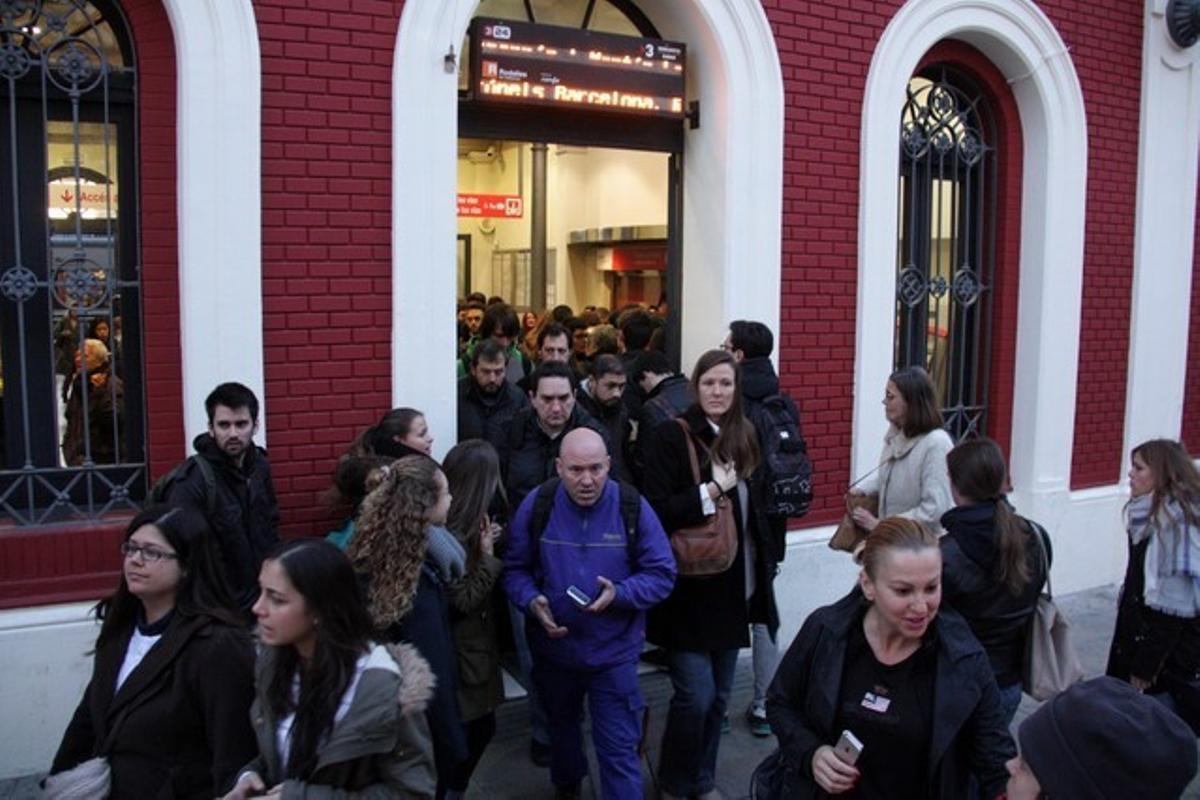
(381, 748)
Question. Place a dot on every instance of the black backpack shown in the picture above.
(161, 490)
(631, 508)
(786, 477)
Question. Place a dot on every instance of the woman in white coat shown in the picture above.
(911, 480)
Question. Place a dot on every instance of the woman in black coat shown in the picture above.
(907, 679)
(992, 566)
(705, 620)
(169, 699)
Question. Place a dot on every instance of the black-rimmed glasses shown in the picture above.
(151, 555)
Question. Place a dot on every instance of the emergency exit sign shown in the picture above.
(506, 206)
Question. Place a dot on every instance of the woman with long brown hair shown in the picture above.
(1156, 645)
(473, 471)
(706, 620)
(900, 672)
(992, 567)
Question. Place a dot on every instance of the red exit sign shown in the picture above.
(508, 206)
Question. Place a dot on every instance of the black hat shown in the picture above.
(1103, 739)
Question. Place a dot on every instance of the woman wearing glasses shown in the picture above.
(173, 675)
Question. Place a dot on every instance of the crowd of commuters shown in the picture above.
(600, 505)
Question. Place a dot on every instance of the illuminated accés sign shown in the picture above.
(507, 206)
(520, 63)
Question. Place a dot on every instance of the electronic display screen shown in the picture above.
(520, 63)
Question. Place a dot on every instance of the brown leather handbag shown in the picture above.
(849, 533)
(710, 547)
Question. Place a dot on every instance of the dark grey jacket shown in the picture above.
(482, 416)
(969, 733)
(527, 453)
(380, 749)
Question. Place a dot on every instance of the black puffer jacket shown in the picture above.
(998, 618)
(482, 416)
(245, 515)
(527, 453)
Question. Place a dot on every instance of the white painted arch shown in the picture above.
(219, 196)
(1024, 45)
(732, 188)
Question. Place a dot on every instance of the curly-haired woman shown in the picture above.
(409, 559)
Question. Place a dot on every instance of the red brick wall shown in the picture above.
(327, 176)
(1191, 395)
(1105, 40)
(825, 50)
(48, 565)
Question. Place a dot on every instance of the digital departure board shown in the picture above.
(520, 63)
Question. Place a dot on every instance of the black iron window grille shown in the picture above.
(72, 435)
(946, 251)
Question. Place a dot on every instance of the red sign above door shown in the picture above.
(508, 206)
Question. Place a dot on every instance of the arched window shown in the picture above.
(72, 436)
(946, 253)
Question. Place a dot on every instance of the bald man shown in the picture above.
(586, 558)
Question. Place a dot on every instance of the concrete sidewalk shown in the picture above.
(506, 772)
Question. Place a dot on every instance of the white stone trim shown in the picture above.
(1024, 46)
(220, 200)
(1169, 139)
(733, 191)
(43, 657)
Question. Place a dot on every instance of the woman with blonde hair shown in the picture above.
(904, 676)
(1156, 645)
(408, 559)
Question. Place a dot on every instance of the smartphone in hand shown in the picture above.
(848, 748)
(580, 597)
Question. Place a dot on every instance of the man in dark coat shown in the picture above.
(600, 396)
(751, 344)
(232, 488)
(530, 446)
(486, 401)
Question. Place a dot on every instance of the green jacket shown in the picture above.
(480, 687)
(380, 749)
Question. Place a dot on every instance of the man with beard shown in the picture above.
(228, 480)
(486, 401)
(600, 395)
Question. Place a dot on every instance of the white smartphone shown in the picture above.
(848, 748)
(579, 596)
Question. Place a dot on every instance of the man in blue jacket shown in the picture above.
(586, 581)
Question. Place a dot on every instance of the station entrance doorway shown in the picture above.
(569, 203)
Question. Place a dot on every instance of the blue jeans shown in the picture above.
(615, 703)
(702, 682)
(1010, 700)
(765, 655)
(539, 730)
